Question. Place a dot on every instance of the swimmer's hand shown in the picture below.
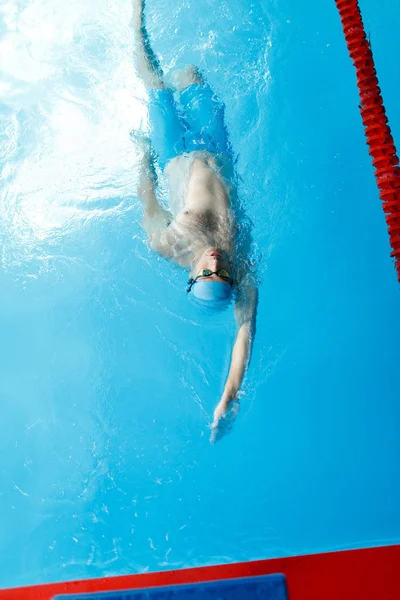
(224, 417)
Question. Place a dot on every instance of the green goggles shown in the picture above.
(208, 273)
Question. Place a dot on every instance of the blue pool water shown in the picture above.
(108, 379)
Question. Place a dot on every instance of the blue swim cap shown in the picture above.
(213, 294)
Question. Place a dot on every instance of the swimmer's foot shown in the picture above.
(185, 77)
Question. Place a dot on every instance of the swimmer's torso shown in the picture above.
(202, 217)
(206, 191)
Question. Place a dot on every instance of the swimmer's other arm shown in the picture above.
(155, 219)
(245, 316)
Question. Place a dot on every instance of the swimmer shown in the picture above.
(200, 230)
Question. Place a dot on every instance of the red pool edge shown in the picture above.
(362, 574)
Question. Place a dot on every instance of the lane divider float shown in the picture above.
(373, 114)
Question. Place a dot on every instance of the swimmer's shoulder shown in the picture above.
(174, 243)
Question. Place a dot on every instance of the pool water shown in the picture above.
(109, 378)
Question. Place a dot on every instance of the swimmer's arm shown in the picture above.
(245, 316)
(155, 218)
(239, 360)
(245, 313)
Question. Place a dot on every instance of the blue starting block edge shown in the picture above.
(265, 587)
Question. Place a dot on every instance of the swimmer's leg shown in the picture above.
(167, 131)
(147, 64)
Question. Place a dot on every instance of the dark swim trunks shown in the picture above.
(195, 121)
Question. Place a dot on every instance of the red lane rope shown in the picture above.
(373, 114)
